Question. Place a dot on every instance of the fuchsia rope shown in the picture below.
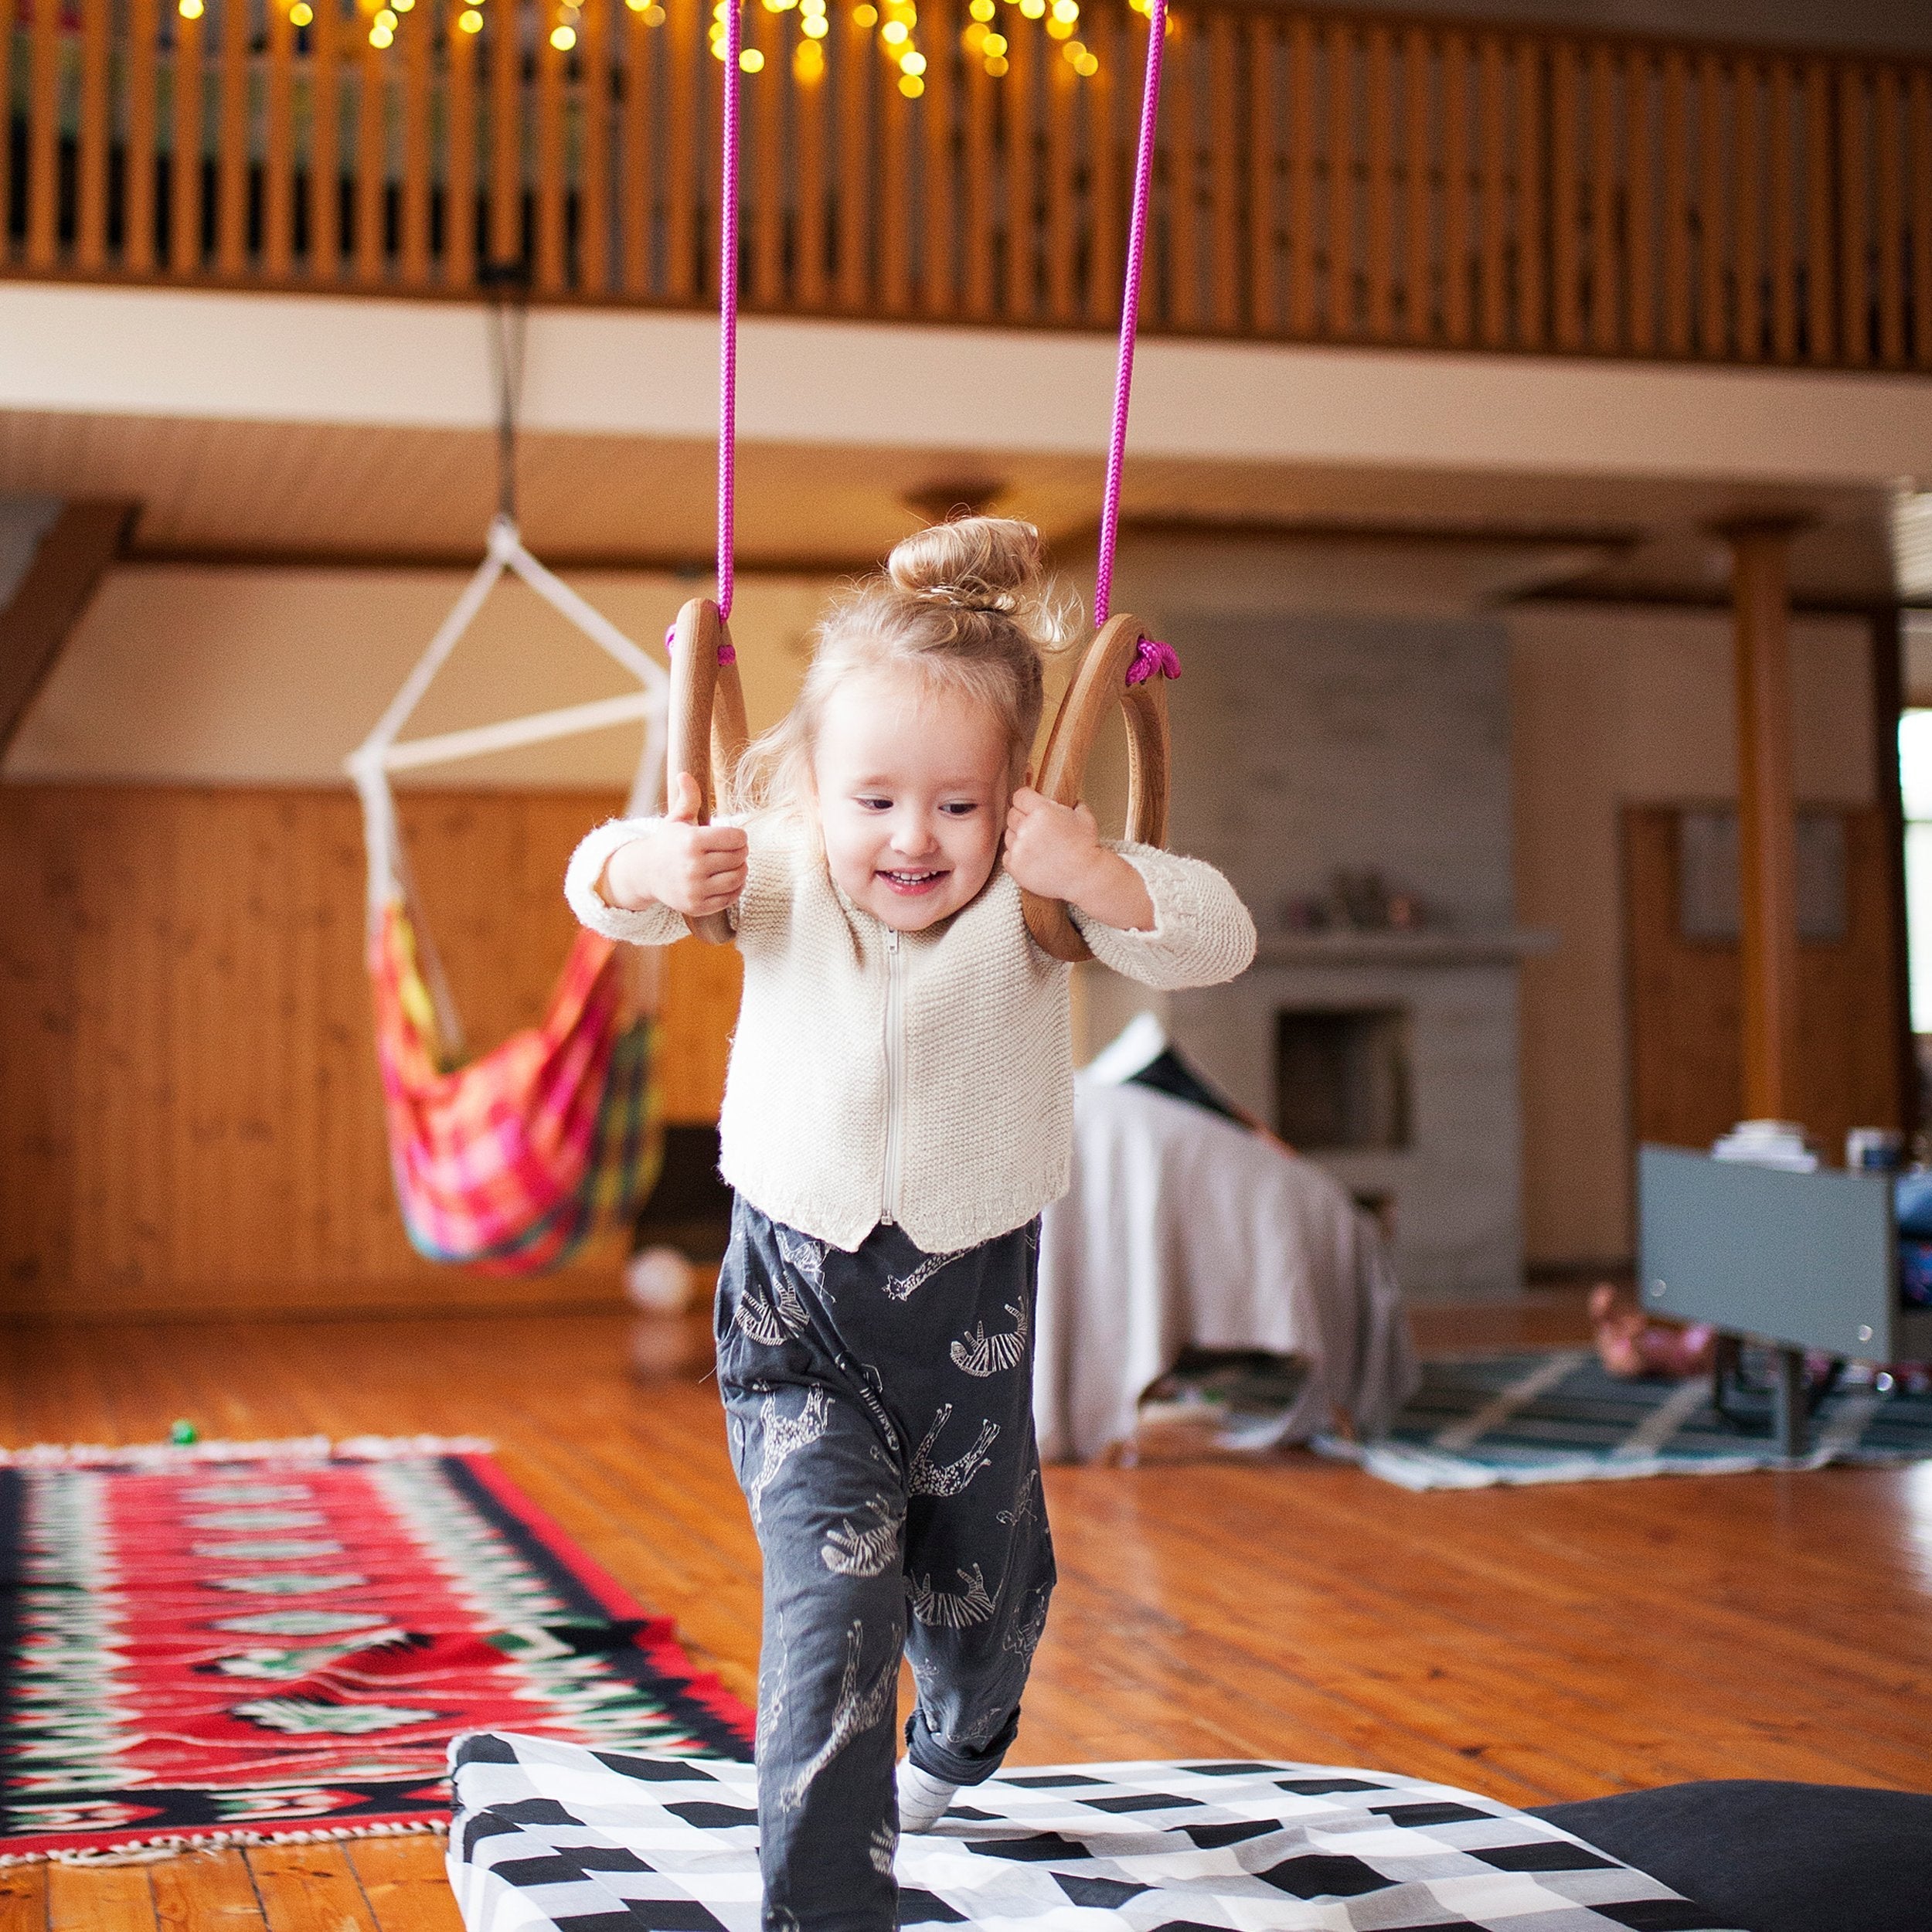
(1131, 318)
(728, 317)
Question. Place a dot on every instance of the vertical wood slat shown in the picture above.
(1224, 172)
(90, 236)
(856, 56)
(1854, 221)
(1565, 195)
(185, 152)
(938, 281)
(1676, 209)
(1921, 177)
(1641, 235)
(978, 218)
(1457, 314)
(1379, 82)
(765, 95)
(1016, 104)
(1713, 231)
(814, 111)
(553, 241)
(43, 138)
(506, 132)
(1108, 93)
(1062, 247)
(1264, 174)
(232, 166)
(686, 30)
(419, 50)
(139, 228)
(7, 14)
(1821, 321)
(1302, 254)
(1181, 148)
(325, 150)
(892, 200)
(1890, 212)
(1747, 250)
(597, 49)
(1605, 252)
(1341, 130)
(278, 161)
(1495, 191)
(460, 159)
(1418, 156)
(635, 169)
(1781, 107)
(1532, 281)
(372, 163)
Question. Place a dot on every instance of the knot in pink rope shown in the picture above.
(1153, 658)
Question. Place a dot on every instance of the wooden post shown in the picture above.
(1766, 817)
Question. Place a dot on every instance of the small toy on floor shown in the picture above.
(1631, 1344)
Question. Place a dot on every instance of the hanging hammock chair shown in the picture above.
(513, 1162)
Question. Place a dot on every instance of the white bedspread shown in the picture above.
(1182, 1229)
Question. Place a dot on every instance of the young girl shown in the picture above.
(898, 1111)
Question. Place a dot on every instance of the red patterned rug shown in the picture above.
(252, 1641)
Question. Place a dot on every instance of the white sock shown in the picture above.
(922, 1798)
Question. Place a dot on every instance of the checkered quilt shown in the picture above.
(552, 1838)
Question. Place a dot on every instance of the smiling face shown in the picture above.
(912, 783)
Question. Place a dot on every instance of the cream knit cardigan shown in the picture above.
(924, 1078)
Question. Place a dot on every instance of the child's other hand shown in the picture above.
(1052, 850)
(695, 869)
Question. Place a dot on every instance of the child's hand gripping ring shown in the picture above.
(707, 725)
(1103, 677)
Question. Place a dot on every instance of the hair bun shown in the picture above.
(973, 562)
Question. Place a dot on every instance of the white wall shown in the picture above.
(1610, 707)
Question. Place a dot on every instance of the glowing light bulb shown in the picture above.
(301, 14)
(814, 26)
(386, 21)
(752, 61)
(911, 85)
(654, 15)
(564, 39)
(1087, 66)
(997, 65)
(381, 37)
(1058, 29)
(1071, 53)
(1033, 8)
(865, 15)
(470, 20)
(895, 33)
(402, 6)
(190, 9)
(808, 61)
(911, 63)
(982, 9)
(995, 45)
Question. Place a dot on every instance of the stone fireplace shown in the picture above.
(1308, 746)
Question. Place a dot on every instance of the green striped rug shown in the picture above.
(1560, 1418)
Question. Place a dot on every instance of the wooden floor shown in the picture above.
(1534, 1645)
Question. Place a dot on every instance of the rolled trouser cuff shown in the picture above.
(955, 1766)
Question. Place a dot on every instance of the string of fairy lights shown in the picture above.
(893, 24)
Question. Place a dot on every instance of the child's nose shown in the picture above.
(913, 833)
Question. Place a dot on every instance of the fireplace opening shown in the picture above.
(1342, 1078)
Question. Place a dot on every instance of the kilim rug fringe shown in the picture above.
(231, 1643)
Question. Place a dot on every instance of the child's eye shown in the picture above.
(959, 808)
(869, 804)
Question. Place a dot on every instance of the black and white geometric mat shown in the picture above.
(552, 1838)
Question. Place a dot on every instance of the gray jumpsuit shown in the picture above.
(879, 1409)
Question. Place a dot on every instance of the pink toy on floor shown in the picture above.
(1630, 1344)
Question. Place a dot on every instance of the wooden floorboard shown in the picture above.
(1535, 1644)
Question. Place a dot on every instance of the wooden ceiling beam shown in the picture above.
(72, 559)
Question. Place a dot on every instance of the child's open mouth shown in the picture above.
(911, 884)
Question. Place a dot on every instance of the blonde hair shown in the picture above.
(965, 606)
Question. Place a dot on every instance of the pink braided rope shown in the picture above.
(728, 316)
(1130, 309)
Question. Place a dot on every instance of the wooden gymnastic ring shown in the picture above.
(707, 733)
(1099, 682)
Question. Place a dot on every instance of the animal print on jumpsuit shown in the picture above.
(879, 1409)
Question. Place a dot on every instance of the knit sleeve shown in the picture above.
(652, 925)
(1202, 934)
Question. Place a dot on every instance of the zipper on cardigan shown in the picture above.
(895, 1073)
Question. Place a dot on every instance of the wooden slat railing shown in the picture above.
(1322, 176)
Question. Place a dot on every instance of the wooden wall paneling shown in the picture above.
(419, 165)
(1457, 123)
(891, 201)
(1820, 243)
(9, 14)
(95, 133)
(596, 53)
(187, 1087)
(1855, 230)
(1110, 93)
(1420, 149)
(372, 164)
(326, 142)
(233, 162)
(1747, 236)
(636, 114)
(552, 239)
(1263, 64)
(939, 211)
(506, 131)
(1609, 116)
(1021, 125)
(1685, 1007)
(1223, 159)
(764, 95)
(690, 62)
(1890, 213)
(1677, 216)
(1532, 275)
(854, 100)
(1339, 151)
(1780, 108)
(460, 203)
(1495, 192)
(139, 239)
(1642, 234)
(1304, 255)
(1920, 174)
(810, 116)
(278, 158)
(1380, 187)
(1565, 210)
(1712, 211)
(1062, 243)
(184, 148)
